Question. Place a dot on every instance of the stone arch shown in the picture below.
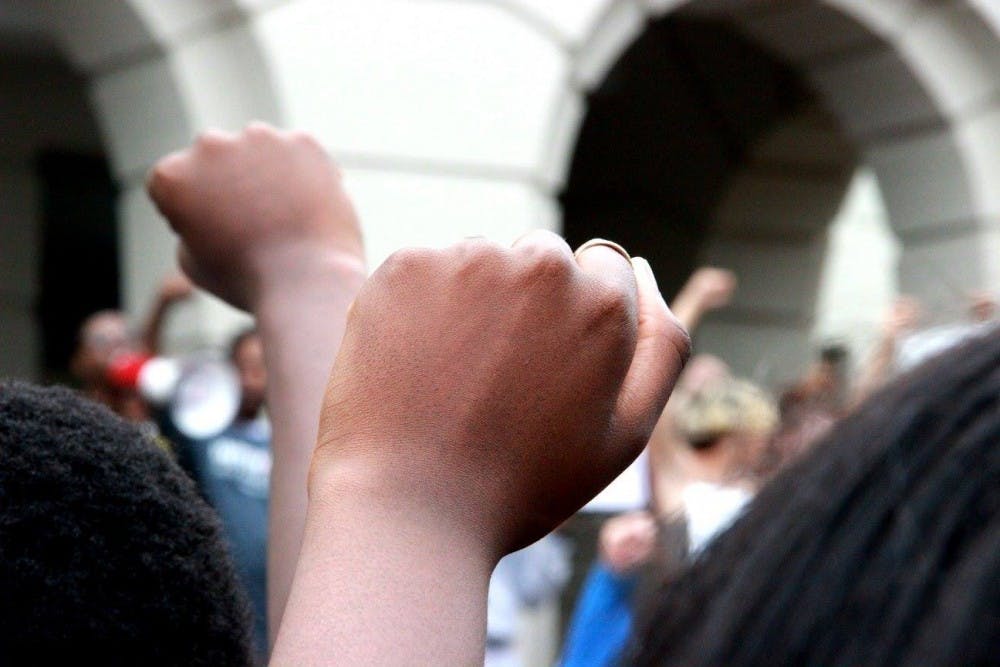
(910, 85)
(157, 73)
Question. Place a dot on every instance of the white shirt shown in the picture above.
(628, 492)
(710, 509)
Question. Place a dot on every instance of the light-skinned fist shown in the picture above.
(175, 287)
(256, 211)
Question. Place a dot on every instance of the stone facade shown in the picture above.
(455, 118)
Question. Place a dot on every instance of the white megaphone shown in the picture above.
(200, 393)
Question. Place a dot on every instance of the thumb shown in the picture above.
(662, 348)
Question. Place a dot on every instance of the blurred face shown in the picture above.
(102, 336)
(702, 371)
(249, 361)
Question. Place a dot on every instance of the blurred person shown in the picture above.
(880, 547)
(824, 384)
(602, 620)
(233, 472)
(727, 426)
(726, 423)
(667, 447)
(104, 337)
(807, 410)
(707, 289)
(803, 422)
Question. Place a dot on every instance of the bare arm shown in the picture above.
(301, 325)
(265, 224)
(709, 288)
(902, 316)
(173, 289)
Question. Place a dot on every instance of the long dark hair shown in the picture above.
(881, 547)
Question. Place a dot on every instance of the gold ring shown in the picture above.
(610, 244)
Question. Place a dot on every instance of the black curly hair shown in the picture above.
(107, 553)
(881, 547)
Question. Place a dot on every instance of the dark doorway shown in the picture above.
(664, 132)
(79, 269)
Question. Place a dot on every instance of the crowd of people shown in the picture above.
(431, 433)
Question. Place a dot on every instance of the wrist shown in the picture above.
(295, 273)
(379, 582)
(352, 489)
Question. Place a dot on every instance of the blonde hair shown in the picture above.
(726, 406)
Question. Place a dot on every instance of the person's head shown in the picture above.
(108, 555)
(880, 547)
(702, 370)
(803, 423)
(246, 352)
(729, 420)
(101, 336)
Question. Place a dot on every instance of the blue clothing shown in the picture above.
(233, 470)
(602, 621)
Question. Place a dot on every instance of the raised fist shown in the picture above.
(175, 287)
(256, 209)
(713, 287)
(495, 390)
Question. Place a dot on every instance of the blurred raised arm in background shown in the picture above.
(265, 224)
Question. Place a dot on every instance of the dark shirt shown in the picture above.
(233, 471)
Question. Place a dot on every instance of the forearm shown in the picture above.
(380, 582)
(689, 309)
(302, 325)
(876, 371)
(152, 328)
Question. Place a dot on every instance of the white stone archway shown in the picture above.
(912, 85)
(454, 118)
(157, 74)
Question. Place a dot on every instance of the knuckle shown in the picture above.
(539, 265)
(258, 128)
(474, 255)
(406, 260)
(549, 263)
(212, 139)
(305, 139)
(162, 179)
